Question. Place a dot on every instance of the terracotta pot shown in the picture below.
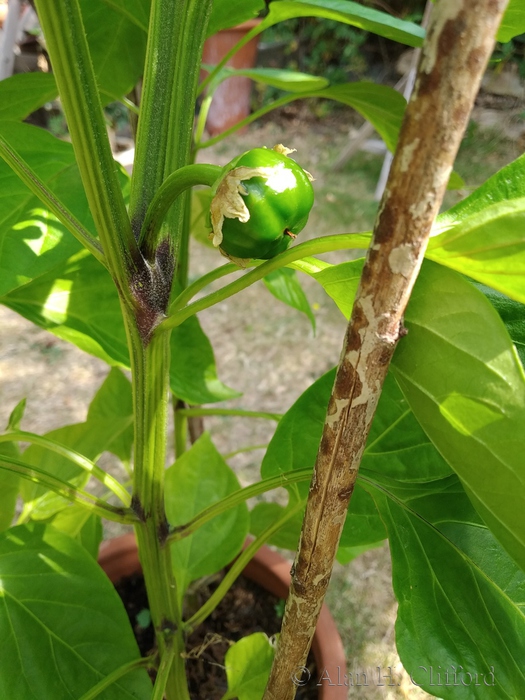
(119, 558)
(231, 100)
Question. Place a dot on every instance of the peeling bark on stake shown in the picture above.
(459, 43)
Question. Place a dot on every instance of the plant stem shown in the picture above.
(194, 288)
(175, 184)
(242, 42)
(48, 199)
(316, 246)
(83, 462)
(229, 412)
(68, 491)
(234, 499)
(150, 382)
(67, 45)
(447, 83)
(237, 567)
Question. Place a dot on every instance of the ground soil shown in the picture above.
(247, 608)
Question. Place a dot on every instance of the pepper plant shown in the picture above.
(102, 261)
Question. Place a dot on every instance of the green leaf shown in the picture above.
(200, 216)
(228, 13)
(32, 241)
(117, 43)
(513, 22)
(382, 106)
(63, 625)
(461, 598)
(349, 13)
(77, 301)
(508, 183)
(22, 94)
(462, 378)
(248, 663)
(136, 11)
(263, 515)
(289, 80)
(193, 374)
(82, 526)
(97, 434)
(199, 478)
(512, 313)
(114, 399)
(285, 286)
(488, 246)
(340, 282)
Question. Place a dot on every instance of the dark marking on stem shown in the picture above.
(151, 287)
(136, 507)
(163, 530)
(167, 628)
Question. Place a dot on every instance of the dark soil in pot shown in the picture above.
(246, 608)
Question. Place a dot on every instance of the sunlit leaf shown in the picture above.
(63, 625)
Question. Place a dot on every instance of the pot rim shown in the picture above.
(118, 557)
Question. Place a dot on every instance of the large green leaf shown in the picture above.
(462, 378)
(96, 435)
(32, 241)
(63, 625)
(488, 246)
(513, 22)
(512, 313)
(193, 374)
(77, 301)
(228, 13)
(117, 43)
(350, 13)
(381, 105)
(199, 478)
(397, 447)
(136, 11)
(461, 597)
(24, 93)
(248, 664)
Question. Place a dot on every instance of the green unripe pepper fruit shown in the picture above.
(261, 202)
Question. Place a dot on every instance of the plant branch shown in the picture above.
(236, 569)
(234, 499)
(175, 184)
(48, 199)
(229, 412)
(107, 681)
(68, 491)
(326, 244)
(68, 48)
(459, 42)
(83, 462)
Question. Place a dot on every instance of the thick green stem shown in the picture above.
(150, 376)
(73, 70)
